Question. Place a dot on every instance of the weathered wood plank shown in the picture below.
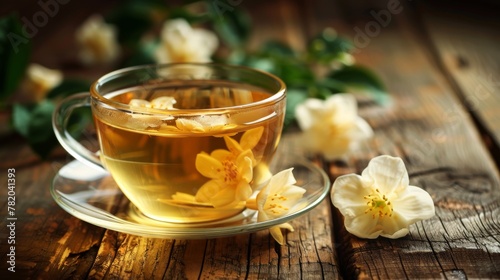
(466, 42)
(55, 244)
(428, 127)
(309, 251)
(48, 242)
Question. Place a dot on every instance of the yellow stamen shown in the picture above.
(380, 203)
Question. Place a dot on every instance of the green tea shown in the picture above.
(152, 156)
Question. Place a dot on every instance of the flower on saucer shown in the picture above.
(40, 80)
(230, 171)
(97, 41)
(331, 127)
(276, 199)
(182, 43)
(381, 202)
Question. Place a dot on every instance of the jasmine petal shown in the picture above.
(40, 80)
(381, 202)
(230, 172)
(98, 41)
(182, 43)
(331, 127)
(277, 234)
(276, 199)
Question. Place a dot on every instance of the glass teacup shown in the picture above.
(184, 142)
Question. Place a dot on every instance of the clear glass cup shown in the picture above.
(185, 143)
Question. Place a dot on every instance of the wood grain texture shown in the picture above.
(428, 127)
(443, 114)
(308, 254)
(466, 47)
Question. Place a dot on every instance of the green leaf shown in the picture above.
(328, 46)
(281, 60)
(78, 121)
(148, 2)
(21, 115)
(291, 70)
(144, 54)
(236, 56)
(188, 2)
(68, 87)
(232, 24)
(293, 98)
(277, 49)
(266, 64)
(333, 85)
(361, 80)
(34, 123)
(15, 50)
(181, 12)
(41, 137)
(133, 19)
(319, 91)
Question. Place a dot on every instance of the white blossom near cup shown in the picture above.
(182, 43)
(331, 127)
(279, 197)
(39, 80)
(381, 202)
(97, 41)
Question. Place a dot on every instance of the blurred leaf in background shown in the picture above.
(325, 67)
(15, 52)
(134, 18)
(67, 87)
(328, 47)
(361, 80)
(34, 123)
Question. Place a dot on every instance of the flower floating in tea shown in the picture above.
(205, 124)
(97, 41)
(182, 43)
(381, 202)
(331, 127)
(230, 171)
(148, 121)
(164, 102)
(278, 197)
(39, 80)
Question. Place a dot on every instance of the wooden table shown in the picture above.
(441, 64)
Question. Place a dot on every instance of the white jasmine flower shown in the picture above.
(277, 199)
(381, 202)
(182, 43)
(163, 103)
(205, 124)
(331, 127)
(97, 41)
(140, 121)
(40, 80)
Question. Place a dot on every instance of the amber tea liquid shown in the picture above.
(153, 157)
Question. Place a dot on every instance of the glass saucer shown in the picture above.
(92, 196)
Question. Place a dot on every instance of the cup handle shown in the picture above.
(60, 119)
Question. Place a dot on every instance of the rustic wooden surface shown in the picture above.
(441, 64)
